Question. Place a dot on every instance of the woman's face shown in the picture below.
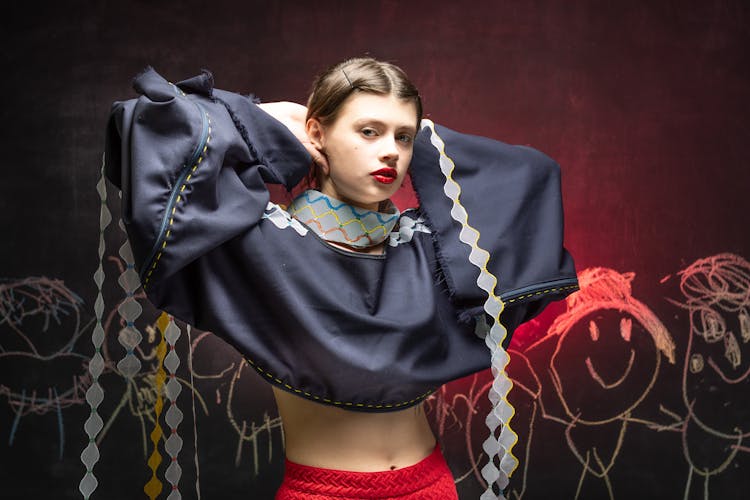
(368, 148)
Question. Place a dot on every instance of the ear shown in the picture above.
(316, 133)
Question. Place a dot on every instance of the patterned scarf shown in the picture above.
(336, 221)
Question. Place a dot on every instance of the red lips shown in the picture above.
(385, 175)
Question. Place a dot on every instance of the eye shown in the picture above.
(626, 327)
(696, 363)
(744, 325)
(732, 350)
(712, 327)
(405, 138)
(369, 132)
(593, 331)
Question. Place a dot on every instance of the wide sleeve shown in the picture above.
(192, 163)
(495, 212)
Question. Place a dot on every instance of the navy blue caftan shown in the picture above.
(358, 331)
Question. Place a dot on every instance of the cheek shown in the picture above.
(407, 156)
(338, 153)
(345, 148)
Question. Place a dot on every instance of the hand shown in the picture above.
(293, 116)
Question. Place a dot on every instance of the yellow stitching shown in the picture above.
(179, 198)
(326, 400)
(549, 290)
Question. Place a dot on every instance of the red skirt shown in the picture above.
(429, 479)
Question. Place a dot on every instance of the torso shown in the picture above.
(332, 438)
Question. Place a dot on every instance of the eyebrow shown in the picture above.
(362, 121)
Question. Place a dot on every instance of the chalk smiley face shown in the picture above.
(604, 366)
(609, 349)
(626, 327)
(724, 336)
(717, 369)
(716, 374)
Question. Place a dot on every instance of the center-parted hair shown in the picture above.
(363, 74)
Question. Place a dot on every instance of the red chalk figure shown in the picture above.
(606, 351)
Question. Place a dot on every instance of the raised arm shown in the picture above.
(192, 163)
(293, 115)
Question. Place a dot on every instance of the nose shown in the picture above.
(389, 150)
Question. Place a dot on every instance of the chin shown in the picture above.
(373, 200)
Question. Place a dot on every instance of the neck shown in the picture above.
(327, 189)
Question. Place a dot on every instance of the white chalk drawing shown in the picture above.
(40, 323)
(716, 373)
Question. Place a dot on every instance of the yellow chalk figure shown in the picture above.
(154, 486)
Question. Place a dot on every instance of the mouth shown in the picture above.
(727, 379)
(595, 374)
(385, 175)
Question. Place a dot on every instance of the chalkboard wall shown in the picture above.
(637, 386)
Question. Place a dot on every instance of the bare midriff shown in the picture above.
(333, 438)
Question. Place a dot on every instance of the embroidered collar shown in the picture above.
(339, 222)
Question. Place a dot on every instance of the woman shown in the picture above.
(353, 311)
(361, 141)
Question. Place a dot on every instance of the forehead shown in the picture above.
(387, 109)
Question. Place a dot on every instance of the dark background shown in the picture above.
(644, 105)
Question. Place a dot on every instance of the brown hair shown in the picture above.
(362, 74)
